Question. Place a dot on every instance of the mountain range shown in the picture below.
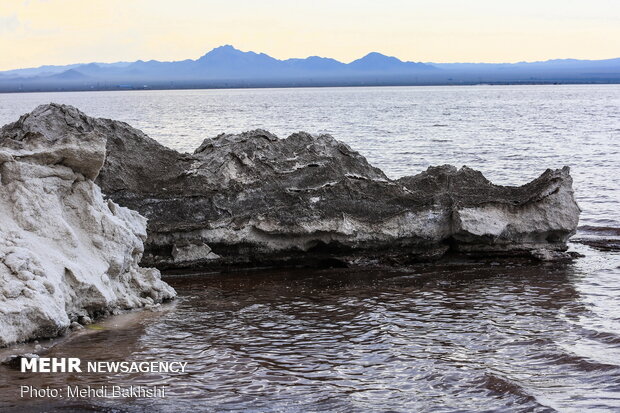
(227, 66)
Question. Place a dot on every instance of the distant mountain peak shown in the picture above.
(226, 50)
(374, 62)
(377, 55)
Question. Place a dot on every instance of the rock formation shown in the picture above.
(66, 254)
(255, 200)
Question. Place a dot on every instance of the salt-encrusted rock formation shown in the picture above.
(253, 199)
(66, 254)
(539, 215)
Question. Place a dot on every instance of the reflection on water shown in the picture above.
(450, 337)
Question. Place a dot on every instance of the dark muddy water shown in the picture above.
(493, 336)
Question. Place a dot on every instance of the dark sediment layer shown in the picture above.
(606, 239)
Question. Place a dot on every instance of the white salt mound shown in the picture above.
(65, 252)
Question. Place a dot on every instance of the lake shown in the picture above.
(456, 336)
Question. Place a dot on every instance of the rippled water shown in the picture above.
(450, 337)
(488, 336)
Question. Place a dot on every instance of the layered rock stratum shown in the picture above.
(66, 254)
(252, 199)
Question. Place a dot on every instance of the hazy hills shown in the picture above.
(226, 66)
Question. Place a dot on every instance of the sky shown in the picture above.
(39, 32)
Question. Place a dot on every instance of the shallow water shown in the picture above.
(496, 336)
(450, 337)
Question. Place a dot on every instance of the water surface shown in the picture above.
(492, 336)
(450, 337)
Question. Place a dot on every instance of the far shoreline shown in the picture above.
(254, 87)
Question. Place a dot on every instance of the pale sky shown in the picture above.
(38, 32)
